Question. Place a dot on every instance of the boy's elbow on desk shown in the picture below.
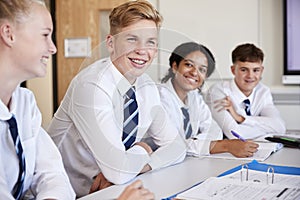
(120, 178)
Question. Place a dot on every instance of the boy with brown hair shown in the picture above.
(244, 105)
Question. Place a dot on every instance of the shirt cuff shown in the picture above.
(198, 147)
(137, 149)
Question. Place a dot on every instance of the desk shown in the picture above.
(172, 180)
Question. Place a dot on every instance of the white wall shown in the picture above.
(220, 28)
(220, 25)
(287, 112)
(223, 27)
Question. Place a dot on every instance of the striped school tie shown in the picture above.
(247, 106)
(18, 188)
(131, 118)
(186, 123)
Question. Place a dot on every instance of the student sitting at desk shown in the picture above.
(110, 105)
(190, 64)
(30, 164)
(244, 104)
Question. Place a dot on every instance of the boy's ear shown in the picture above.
(6, 34)
(233, 69)
(109, 43)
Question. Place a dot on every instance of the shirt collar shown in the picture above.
(170, 86)
(6, 114)
(123, 84)
(239, 94)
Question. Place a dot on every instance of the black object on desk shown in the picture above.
(285, 140)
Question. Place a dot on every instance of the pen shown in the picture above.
(238, 136)
(281, 193)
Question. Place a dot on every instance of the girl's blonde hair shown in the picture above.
(15, 10)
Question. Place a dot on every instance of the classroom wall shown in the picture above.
(224, 26)
(265, 28)
(43, 91)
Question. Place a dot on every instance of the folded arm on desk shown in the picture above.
(201, 144)
(227, 123)
(268, 120)
(172, 148)
(98, 127)
(101, 131)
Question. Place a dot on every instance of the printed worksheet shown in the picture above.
(236, 186)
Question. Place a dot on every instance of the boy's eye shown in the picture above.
(152, 43)
(131, 39)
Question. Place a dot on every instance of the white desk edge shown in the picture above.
(174, 179)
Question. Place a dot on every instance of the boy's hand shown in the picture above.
(136, 191)
(100, 182)
(226, 104)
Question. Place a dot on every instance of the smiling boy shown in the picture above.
(112, 104)
(245, 105)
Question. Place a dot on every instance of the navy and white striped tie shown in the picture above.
(18, 188)
(186, 123)
(247, 106)
(131, 118)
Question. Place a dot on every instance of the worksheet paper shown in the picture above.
(235, 187)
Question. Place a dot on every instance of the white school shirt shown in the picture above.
(264, 119)
(203, 127)
(88, 127)
(45, 175)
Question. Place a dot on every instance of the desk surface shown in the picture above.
(172, 180)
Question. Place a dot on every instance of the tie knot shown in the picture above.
(247, 101)
(130, 94)
(12, 122)
(247, 106)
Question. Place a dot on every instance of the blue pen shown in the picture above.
(238, 136)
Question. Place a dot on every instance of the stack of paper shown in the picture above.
(235, 187)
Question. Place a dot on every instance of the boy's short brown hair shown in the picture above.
(247, 53)
(131, 12)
